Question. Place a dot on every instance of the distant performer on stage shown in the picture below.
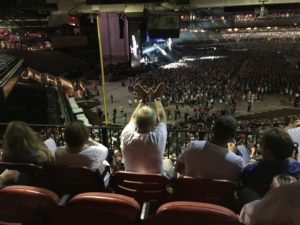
(134, 47)
(169, 44)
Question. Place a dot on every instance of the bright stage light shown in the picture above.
(161, 50)
(174, 65)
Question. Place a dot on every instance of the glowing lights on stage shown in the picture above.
(184, 62)
(193, 30)
(169, 44)
(212, 57)
(157, 50)
(134, 47)
(174, 65)
(161, 50)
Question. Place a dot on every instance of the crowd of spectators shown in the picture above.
(26, 41)
(201, 85)
(270, 73)
(269, 33)
(270, 19)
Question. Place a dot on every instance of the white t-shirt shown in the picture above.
(206, 160)
(50, 143)
(295, 135)
(279, 206)
(143, 153)
(91, 156)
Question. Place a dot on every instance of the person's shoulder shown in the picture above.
(294, 167)
(98, 147)
(161, 125)
(60, 150)
(197, 145)
(252, 165)
(293, 130)
(130, 127)
(60, 153)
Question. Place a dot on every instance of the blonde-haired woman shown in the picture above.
(21, 144)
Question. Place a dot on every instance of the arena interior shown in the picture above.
(221, 78)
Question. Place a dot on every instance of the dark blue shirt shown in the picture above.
(263, 171)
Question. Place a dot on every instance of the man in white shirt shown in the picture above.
(143, 141)
(212, 159)
(294, 132)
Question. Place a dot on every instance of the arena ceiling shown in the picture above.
(128, 6)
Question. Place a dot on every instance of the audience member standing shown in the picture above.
(143, 141)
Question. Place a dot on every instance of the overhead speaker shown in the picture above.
(163, 26)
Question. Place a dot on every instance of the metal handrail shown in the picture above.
(177, 139)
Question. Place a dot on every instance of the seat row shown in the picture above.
(38, 206)
(153, 189)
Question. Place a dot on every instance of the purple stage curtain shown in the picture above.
(115, 49)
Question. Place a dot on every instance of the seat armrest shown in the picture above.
(64, 199)
(145, 210)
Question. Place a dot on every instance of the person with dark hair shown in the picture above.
(80, 150)
(212, 159)
(277, 147)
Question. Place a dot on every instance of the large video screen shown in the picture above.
(163, 26)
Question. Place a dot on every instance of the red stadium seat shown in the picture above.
(24, 204)
(72, 180)
(31, 174)
(192, 213)
(141, 187)
(94, 208)
(22, 167)
(219, 192)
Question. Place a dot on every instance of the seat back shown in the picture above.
(219, 192)
(63, 179)
(23, 204)
(260, 189)
(94, 208)
(142, 187)
(193, 213)
(31, 174)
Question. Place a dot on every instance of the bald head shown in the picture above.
(145, 118)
